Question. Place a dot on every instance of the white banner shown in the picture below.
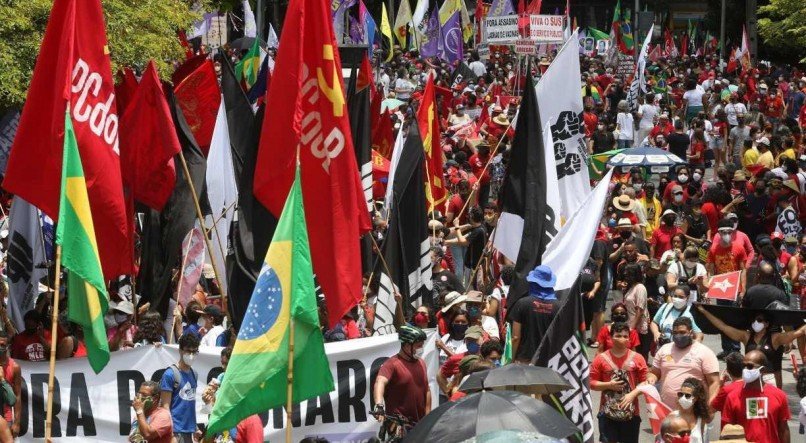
(546, 28)
(560, 100)
(98, 407)
(503, 29)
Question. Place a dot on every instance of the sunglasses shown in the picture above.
(684, 394)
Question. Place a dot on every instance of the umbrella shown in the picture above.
(516, 377)
(245, 43)
(490, 411)
(657, 160)
(742, 318)
(596, 168)
(390, 104)
(508, 436)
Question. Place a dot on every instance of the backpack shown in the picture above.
(175, 370)
(612, 399)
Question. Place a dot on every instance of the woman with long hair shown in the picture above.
(635, 299)
(692, 406)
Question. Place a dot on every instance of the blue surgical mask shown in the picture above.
(472, 347)
(459, 330)
(497, 363)
(474, 311)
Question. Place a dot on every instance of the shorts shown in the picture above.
(612, 431)
(183, 437)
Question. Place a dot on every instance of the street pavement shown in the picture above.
(713, 342)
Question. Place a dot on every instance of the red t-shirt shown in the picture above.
(696, 154)
(760, 412)
(602, 371)
(477, 164)
(26, 346)
(249, 430)
(726, 258)
(719, 400)
(455, 205)
(606, 341)
(451, 365)
(659, 129)
(713, 213)
(662, 239)
(591, 120)
(406, 391)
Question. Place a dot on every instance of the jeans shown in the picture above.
(728, 345)
(458, 253)
(624, 144)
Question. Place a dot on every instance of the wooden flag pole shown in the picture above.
(289, 408)
(53, 326)
(206, 240)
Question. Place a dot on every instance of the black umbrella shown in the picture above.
(516, 377)
(488, 411)
(742, 318)
(245, 43)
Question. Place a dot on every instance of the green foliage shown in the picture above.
(138, 31)
(782, 26)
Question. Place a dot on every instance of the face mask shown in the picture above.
(681, 439)
(189, 358)
(696, 176)
(638, 187)
(472, 347)
(791, 249)
(682, 341)
(750, 375)
(474, 311)
(682, 178)
(757, 326)
(459, 330)
(685, 403)
(678, 198)
(420, 318)
(625, 234)
(201, 322)
(679, 303)
(418, 353)
(619, 318)
(497, 363)
(690, 263)
(668, 221)
(725, 238)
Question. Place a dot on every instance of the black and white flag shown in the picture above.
(638, 79)
(406, 249)
(26, 260)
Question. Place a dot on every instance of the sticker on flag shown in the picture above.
(725, 286)
(656, 410)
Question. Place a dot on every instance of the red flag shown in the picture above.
(73, 72)
(725, 286)
(199, 97)
(382, 136)
(380, 174)
(192, 265)
(656, 409)
(309, 117)
(534, 7)
(428, 121)
(375, 111)
(731, 68)
(148, 143)
(365, 77)
(124, 89)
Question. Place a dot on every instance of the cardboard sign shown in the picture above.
(546, 28)
(502, 29)
(525, 47)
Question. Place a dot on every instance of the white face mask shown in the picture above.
(189, 358)
(679, 303)
(690, 263)
(757, 326)
(750, 375)
(725, 238)
(678, 198)
(697, 176)
(685, 403)
(418, 353)
(201, 322)
(682, 178)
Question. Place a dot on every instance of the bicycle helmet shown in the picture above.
(410, 334)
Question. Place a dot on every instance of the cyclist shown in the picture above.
(401, 391)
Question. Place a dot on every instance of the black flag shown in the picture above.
(523, 193)
(164, 231)
(253, 226)
(358, 99)
(406, 249)
(562, 349)
(462, 74)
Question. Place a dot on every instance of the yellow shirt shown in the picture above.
(750, 157)
(766, 160)
(789, 153)
(653, 211)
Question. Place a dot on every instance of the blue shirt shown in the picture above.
(666, 316)
(183, 398)
(192, 329)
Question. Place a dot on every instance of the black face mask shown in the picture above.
(682, 341)
(668, 221)
(625, 234)
(619, 318)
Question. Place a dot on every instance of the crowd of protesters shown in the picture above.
(737, 204)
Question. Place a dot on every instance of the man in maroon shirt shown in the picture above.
(401, 388)
(32, 344)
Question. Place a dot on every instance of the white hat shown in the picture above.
(763, 141)
(453, 298)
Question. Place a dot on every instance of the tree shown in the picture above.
(138, 31)
(783, 28)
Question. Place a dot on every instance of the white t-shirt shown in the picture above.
(403, 88)
(457, 346)
(694, 96)
(648, 113)
(490, 326)
(733, 110)
(478, 68)
(211, 335)
(625, 126)
(676, 268)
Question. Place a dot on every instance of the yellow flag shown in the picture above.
(386, 31)
(401, 21)
(447, 10)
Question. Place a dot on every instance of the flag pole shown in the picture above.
(206, 240)
(54, 322)
(289, 408)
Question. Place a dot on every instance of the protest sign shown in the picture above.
(502, 29)
(525, 47)
(98, 407)
(546, 28)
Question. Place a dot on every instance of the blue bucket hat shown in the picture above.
(542, 276)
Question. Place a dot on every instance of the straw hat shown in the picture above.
(624, 203)
(501, 119)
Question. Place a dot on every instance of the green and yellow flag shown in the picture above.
(87, 297)
(249, 66)
(283, 298)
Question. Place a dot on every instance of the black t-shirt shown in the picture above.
(476, 240)
(600, 252)
(602, 141)
(759, 296)
(697, 227)
(535, 316)
(678, 144)
(447, 280)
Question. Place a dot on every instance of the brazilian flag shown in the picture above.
(86, 289)
(248, 68)
(283, 303)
